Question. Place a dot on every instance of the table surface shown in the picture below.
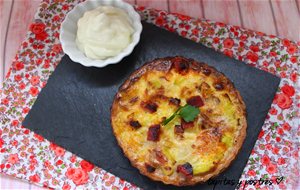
(277, 17)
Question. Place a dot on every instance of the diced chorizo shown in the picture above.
(185, 169)
(206, 71)
(178, 129)
(186, 125)
(174, 101)
(219, 86)
(160, 157)
(195, 101)
(150, 107)
(181, 65)
(153, 133)
(135, 124)
(149, 168)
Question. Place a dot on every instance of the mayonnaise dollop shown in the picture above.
(104, 32)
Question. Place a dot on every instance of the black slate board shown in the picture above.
(73, 110)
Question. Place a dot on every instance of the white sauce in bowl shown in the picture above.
(104, 32)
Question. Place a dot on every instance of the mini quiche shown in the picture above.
(179, 152)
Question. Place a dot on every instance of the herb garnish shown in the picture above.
(186, 112)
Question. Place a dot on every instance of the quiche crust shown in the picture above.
(208, 146)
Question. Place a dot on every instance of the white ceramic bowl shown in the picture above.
(68, 32)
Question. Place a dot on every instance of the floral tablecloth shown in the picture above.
(29, 156)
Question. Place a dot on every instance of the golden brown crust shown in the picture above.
(165, 64)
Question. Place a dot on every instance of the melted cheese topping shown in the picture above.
(204, 145)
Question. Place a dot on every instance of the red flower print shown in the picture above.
(22, 85)
(86, 166)
(295, 154)
(283, 101)
(275, 150)
(283, 75)
(5, 101)
(77, 175)
(33, 91)
(18, 78)
(187, 27)
(265, 160)
(1, 142)
(42, 36)
(140, 8)
(293, 77)
(265, 63)
(286, 126)
(261, 134)
(13, 158)
(280, 131)
(59, 151)
(183, 33)
(59, 162)
(228, 52)
(282, 186)
(39, 137)
(243, 37)
(273, 53)
(288, 90)
(38, 61)
(31, 167)
(195, 31)
(271, 168)
(278, 139)
(292, 49)
(73, 159)
(24, 44)
(15, 123)
(66, 186)
(37, 28)
(221, 24)
(35, 178)
(35, 80)
(273, 111)
(44, 84)
(56, 48)
(228, 43)
(19, 65)
(286, 42)
(254, 48)
(252, 56)
(14, 143)
(112, 179)
(26, 110)
(26, 132)
(216, 40)
(268, 146)
(182, 17)
(46, 65)
(70, 172)
(55, 18)
(46, 164)
(65, 7)
(251, 173)
(293, 59)
(281, 161)
(160, 21)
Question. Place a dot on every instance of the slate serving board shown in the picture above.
(73, 110)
